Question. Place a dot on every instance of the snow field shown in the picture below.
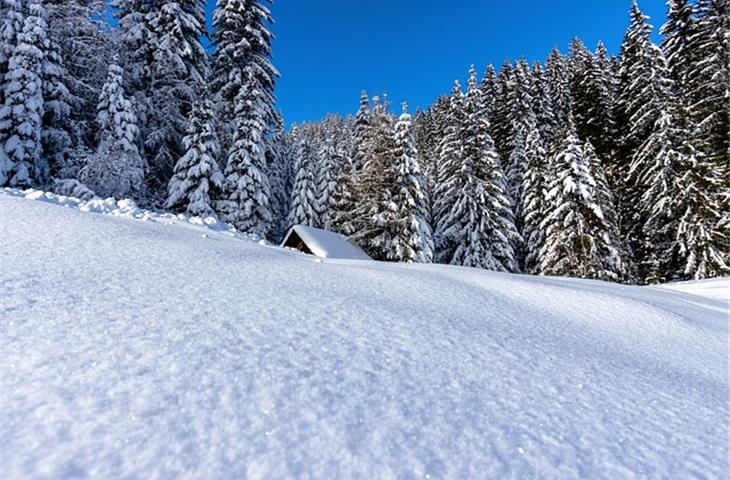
(159, 349)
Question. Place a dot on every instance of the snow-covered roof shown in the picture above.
(326, 244)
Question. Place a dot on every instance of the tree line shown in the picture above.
(587, 165)
(614, 168)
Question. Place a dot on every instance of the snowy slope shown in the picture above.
(135, 349)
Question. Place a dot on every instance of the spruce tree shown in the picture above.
(644, 90)
(558, 76)
(534, 190)
(376, 211)
(331, 158)
(80, 35)
(245, 80)
(277, 160)
(168, 65)
(411, 241)
(21, 162)
(446, 175)
(542, 104)
(361, 131)
(679, 34)
(11, 24)
(478, 223)
(577, 241)
(500, 121)
(303, 208)
(197, 180)
(246, 201)
(116, 169)
(709, 83)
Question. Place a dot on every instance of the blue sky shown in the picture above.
(328, 50)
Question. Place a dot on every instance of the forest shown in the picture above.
(585, 165)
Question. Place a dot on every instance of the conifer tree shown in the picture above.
(534, 189)
(542, 104)
(376, 210)
(679, 34)
(446, 175)
(362, 130)
(577, 241)
(245, 79)
(478, 224)
(331, 158)
(11, 24)
(80, 36)
(303, 208)
(116, 169)
(489, 90)
(411, 240)
(277, 159)
(21, 163)
(709, 83)
(198, 180)
(246, 201)
(558, 76)
(644, 90)
(500, 121)
(58, 131)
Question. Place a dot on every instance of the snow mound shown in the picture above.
(127, 208)
(717, 288)
(143, 349)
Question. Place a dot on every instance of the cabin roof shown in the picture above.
(326, 244)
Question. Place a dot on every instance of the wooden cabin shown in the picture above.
(322, 243)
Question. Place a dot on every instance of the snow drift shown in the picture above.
(161, 349)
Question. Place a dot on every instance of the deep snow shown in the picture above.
(162, 349)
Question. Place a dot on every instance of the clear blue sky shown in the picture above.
(328, 50)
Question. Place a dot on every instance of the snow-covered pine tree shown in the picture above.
(709, 84)
(21, 162)
(644, 89)
(168, 65)
(701, 243)
(446, 174)
(82, 38)
(116, 169)
(197, 180)
(679, 33)
(376, 211)
(577, 241)
(534, 190)
(303, 208)
(243, 43)
(643, 85)
(58, 130)
(516, 173)
(331, 158)
(245, 79)
(521, 118)
(500, 121)
(680, 237)
(277, 159)
(11, 24)
(361, 132)
(489, 90)
(478, 224)
(412, 239)
(605, 198)
(558, 76)
(542, 104)
(246, 201)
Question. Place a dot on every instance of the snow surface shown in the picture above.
(158, 349)
(327, 244)
(718, 288)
